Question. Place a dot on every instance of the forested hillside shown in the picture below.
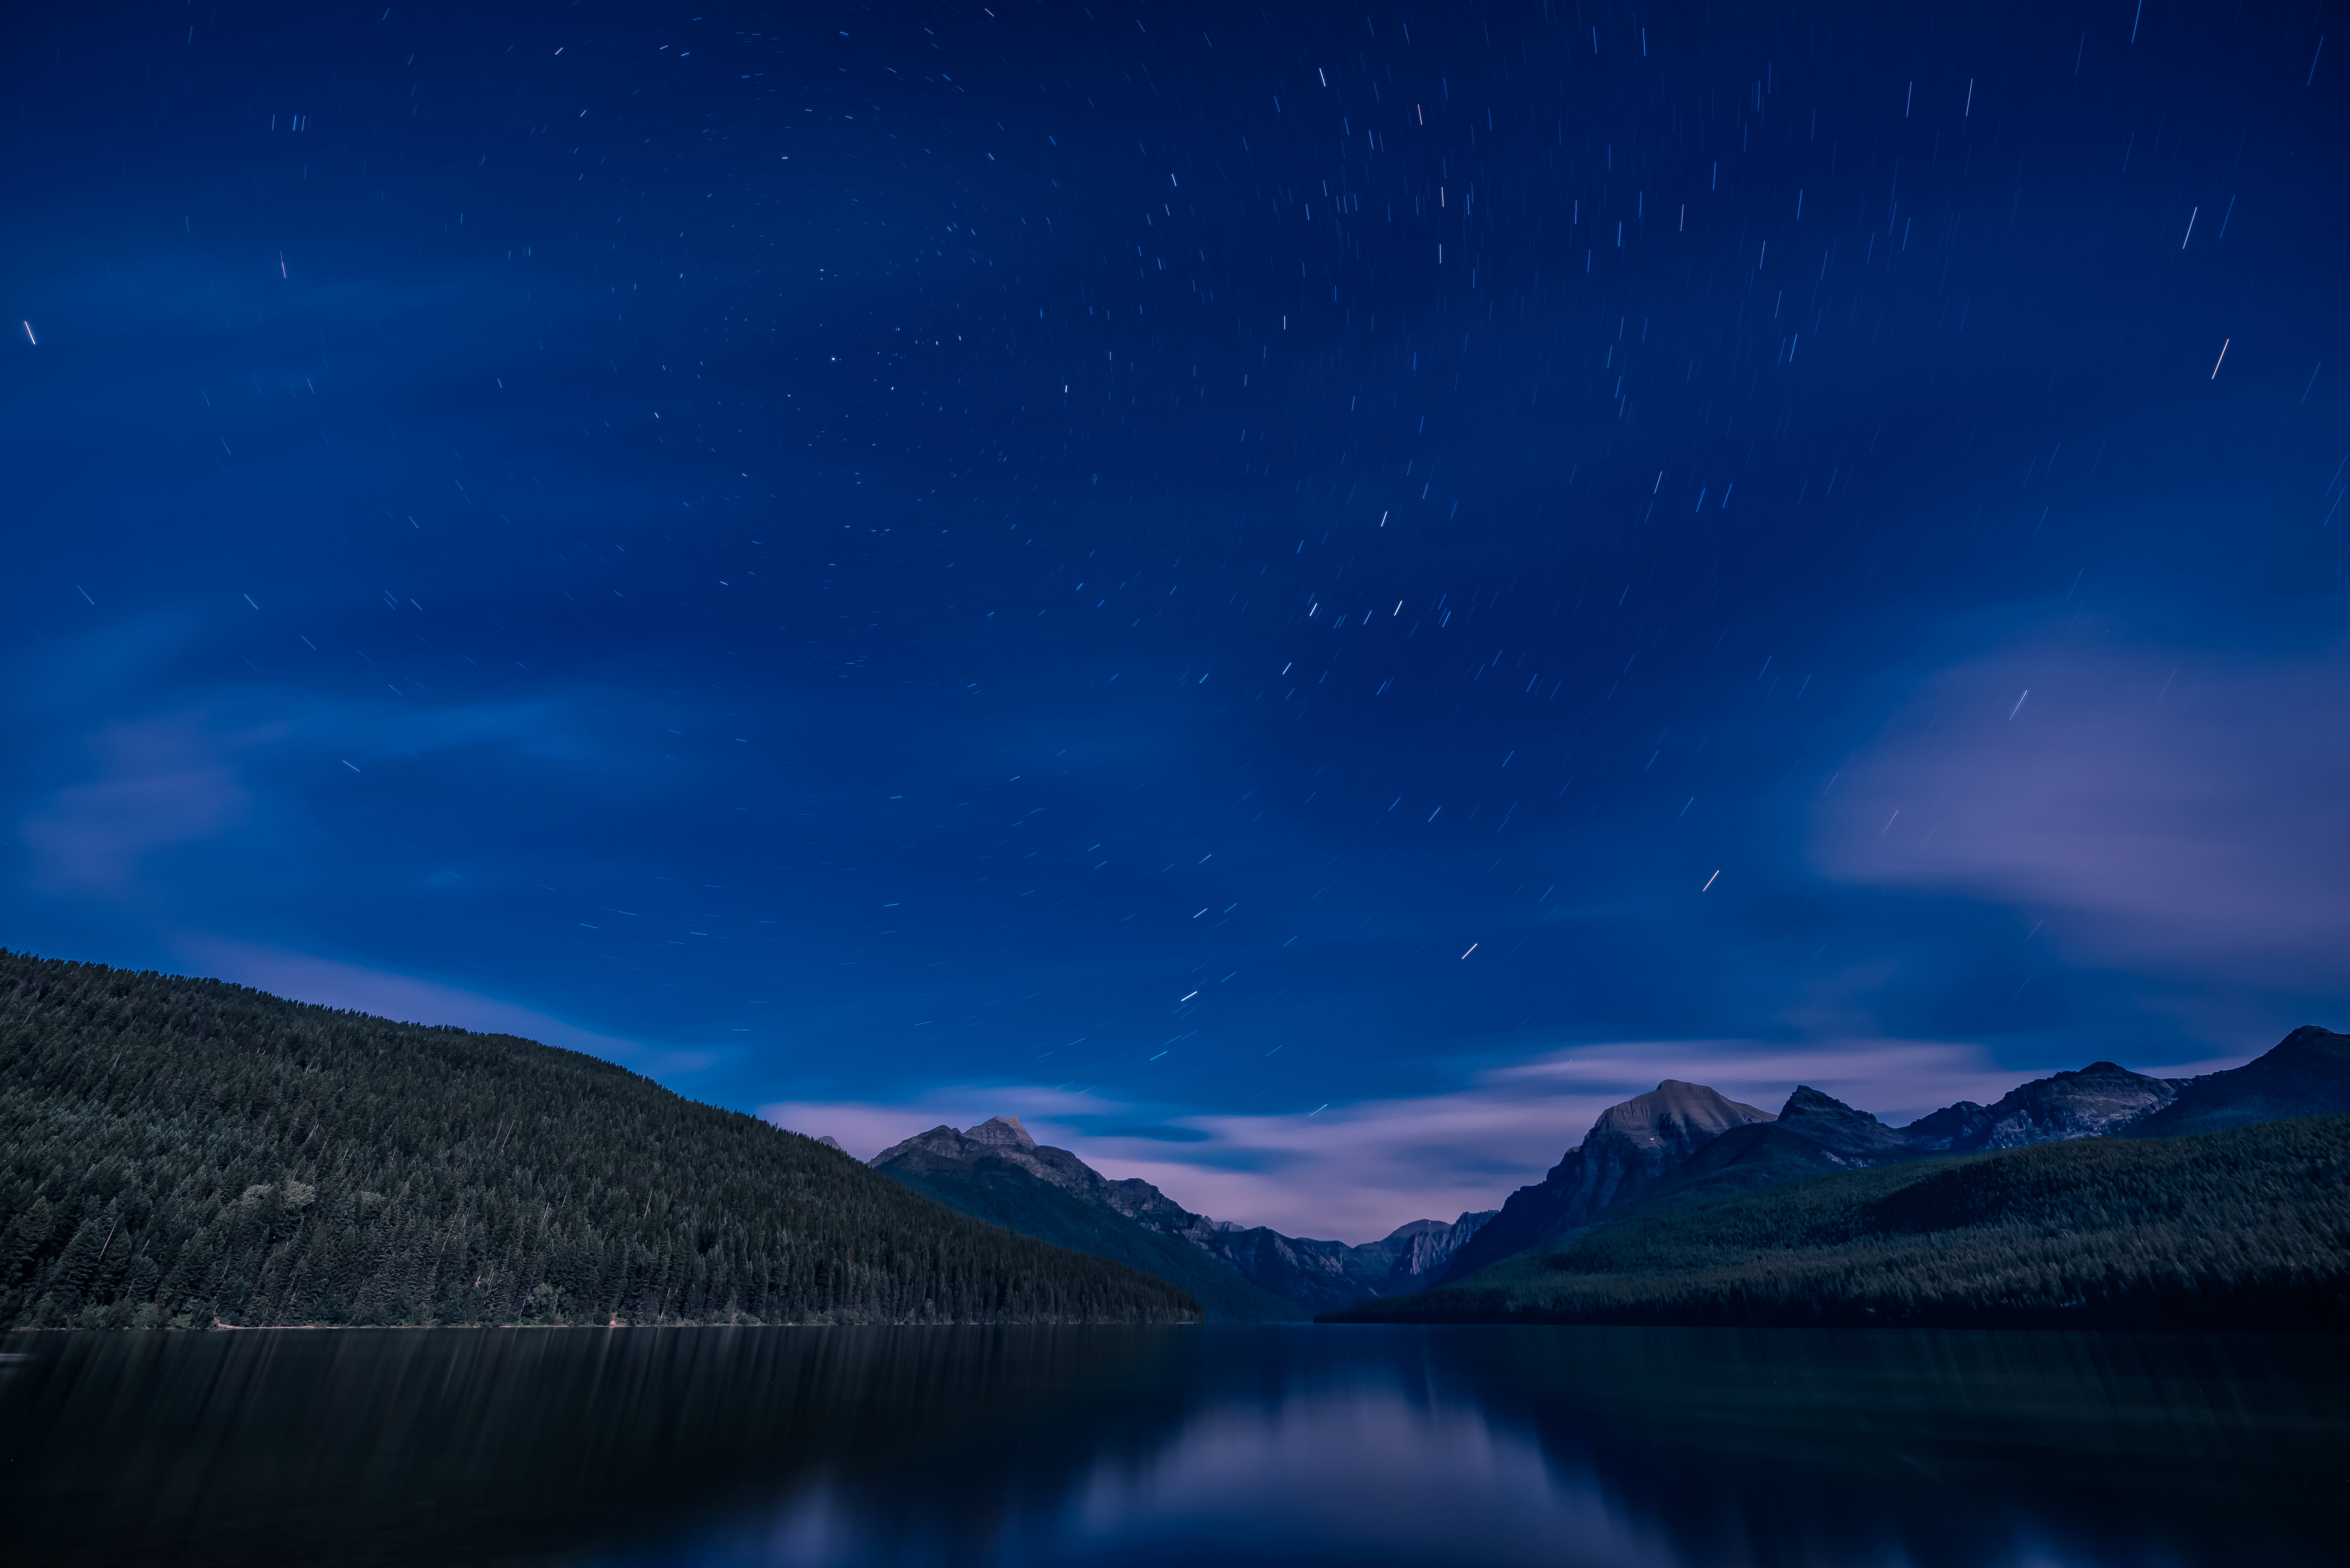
(2248, 1229)
(179, 1151)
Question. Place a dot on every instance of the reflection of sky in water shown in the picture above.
(1400, 1460)
(1355, 1463)
(1289, 1446)
(1361, 1474)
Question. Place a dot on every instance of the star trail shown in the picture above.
(1257, 585)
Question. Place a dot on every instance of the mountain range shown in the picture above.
(2243, 1229)
(179, 1151)
(997, 1172)
(1685, 1137)
(1680, 1143)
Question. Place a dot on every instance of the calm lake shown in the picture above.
(1295, 1446)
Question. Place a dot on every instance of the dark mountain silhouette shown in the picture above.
(996, 1171)
(1631, 1148)
(2308, 1071)
(1814, 1135)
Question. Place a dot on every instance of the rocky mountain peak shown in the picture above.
(1848, 1134)
(1673, 1116)
(1952, 1127)
(1414, 1253)
(941, 1141)
(1807, 1102)
(2101, 1098)
(1000, 1132)
(2308, 1042)
(1629, 1149)
(2098, 1098)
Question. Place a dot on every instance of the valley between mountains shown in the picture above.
(996, 1172)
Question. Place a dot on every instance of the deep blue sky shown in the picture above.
(1172, 567)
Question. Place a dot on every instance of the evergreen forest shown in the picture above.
(2246, 1228)
(179, 1152)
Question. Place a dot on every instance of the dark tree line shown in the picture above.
(182, 1152)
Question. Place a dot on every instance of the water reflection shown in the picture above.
(1289, 1445)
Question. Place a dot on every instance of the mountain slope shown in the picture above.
(981, 1171)
(1814, 1135)
(1656, 1145)
(2245, 1228)
(1629, 1148)
(174, 1150)
(2305, 1073)
(987, 1179)
(2098, 1099)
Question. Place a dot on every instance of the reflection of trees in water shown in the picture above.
(1773, 1449)
(462, 1446)
(1713, 1447)
(1806, 1447)
(1012, 1424)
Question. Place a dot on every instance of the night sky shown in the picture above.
(1302, 596)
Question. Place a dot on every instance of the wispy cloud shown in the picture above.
(1356, 1171)
(233, 769)
(160, 782)
(2169, 813)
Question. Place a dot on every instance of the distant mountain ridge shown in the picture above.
(996, 1171)
(2101, 1098)
(1684, 1141)
(2240, 1229)
(1681, 1144)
